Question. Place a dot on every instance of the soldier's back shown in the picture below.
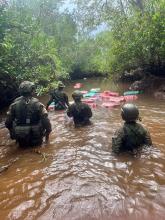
(81, 113)
(27, 110)
(129, 137)
(134, 134)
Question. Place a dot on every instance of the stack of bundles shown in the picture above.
(106, 95)
(92, 92)
(92, 97)
(106, 99)
(111, 99)
(131, 95)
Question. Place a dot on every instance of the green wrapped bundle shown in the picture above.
(133, 92)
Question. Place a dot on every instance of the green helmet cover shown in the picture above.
(77, 95)
(129, 112)
(61, 84)
(26, 88)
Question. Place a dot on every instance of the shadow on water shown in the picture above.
(78, 177)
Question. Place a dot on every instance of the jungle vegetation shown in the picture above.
(50, 40)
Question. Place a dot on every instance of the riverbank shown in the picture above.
(140, 80)
(143, 80)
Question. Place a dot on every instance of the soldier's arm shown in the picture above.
(45, 122)
(148, 140)
(69, 111)
(66, 100)
(89, 112)
(49, 102)
(9, 118)
(117, 141)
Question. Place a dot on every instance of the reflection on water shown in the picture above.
(79, 177)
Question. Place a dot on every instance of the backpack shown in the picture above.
(27, 120)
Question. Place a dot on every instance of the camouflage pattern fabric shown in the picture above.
(27, 114)
(81, 113)
(129, 137)
(60, 99)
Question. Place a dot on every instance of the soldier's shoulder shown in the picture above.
(63, 93)
(85, 105)
(18, 99)
(141, 127)
(34, 99)
(120, 130)
(73, 105)
(42, 108)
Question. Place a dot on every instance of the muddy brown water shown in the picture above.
(77, 176)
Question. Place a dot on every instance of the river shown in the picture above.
(76, 176)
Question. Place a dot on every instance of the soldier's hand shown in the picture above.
(47, 138)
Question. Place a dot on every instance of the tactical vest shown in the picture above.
(134, 137)
(80, 113)
(27, 113)
(27, 120)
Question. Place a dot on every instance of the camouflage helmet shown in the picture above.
(77, 95)
(26, 88)
(61, 84)
(129, 112)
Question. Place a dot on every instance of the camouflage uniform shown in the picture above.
(80, 112)
(27, 121)
(59, 98)
(131, 135)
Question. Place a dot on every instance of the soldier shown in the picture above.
(80, 112)
(27, 118)
(59, 97)
(132, 134)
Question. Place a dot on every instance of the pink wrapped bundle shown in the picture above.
(104, 96)
(88, 101)
(84, 92)
(78, 85)
(116, 99)
(92, 105)
(94, 98)
(130, 97)
(51, 108)
(109, 93)
(110, 104)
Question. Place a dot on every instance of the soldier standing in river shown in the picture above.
(80, 112)
(131, 135)
(59, 97)
(27, 118)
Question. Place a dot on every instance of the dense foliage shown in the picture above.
(134, 34)
(36, 41)
(43, 42)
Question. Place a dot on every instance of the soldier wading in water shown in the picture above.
(59, 97)
(27, 118)
(80, 112)
(131, 135)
